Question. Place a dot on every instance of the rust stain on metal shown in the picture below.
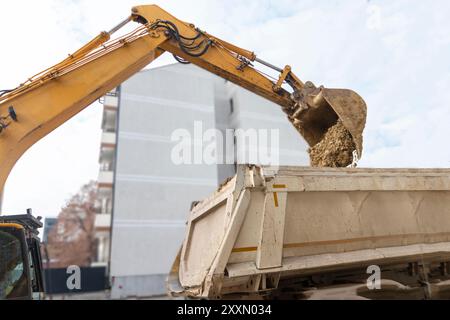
(249, 249)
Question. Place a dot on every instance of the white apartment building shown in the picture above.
(145, 194)
(106, 178)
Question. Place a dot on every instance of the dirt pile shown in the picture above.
(335, 150)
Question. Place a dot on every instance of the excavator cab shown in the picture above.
(21, 275)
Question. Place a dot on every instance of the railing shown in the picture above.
(113, 94)
(106, 166)
(108, 138)
(106, 177)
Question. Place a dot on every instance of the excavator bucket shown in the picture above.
(319, 109)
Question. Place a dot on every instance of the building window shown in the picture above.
(231, 106)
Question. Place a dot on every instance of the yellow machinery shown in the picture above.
(53, 96)
(50, 98)
(20, 258)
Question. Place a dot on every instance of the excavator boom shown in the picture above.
(52, 97)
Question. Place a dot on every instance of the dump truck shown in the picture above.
(299, 233)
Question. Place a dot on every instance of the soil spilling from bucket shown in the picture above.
(335, 150)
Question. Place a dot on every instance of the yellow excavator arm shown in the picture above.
(50, 98)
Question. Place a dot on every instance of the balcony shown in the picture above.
(105, 178)
(108, 138)
(107, 157)
(103, 221)
(103, 203)
(111, 102)
(109, 121)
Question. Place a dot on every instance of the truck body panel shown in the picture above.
(270, 224)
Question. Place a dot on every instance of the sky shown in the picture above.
(395, 54)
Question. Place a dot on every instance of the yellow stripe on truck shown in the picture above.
(275, 200)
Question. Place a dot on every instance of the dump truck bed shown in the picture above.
(267, 227)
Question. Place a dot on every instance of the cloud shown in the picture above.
(394, 53)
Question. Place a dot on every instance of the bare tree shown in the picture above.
(72, 240)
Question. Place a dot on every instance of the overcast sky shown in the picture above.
(395, 54)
